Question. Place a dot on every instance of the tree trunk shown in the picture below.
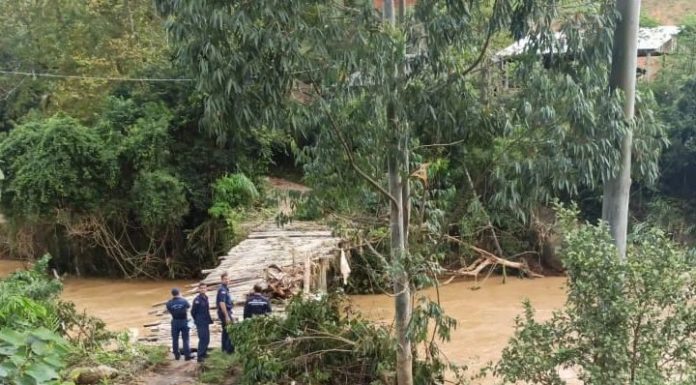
(623, 77)
(402, 300)
(399, 220)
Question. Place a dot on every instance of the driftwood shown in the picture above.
(284, 282)
(489, 259)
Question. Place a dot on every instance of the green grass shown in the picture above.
(155, 355)
(668, 12)
(220, 368)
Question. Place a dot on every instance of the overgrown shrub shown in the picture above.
(315, 344)
(31, 357)
(27, 299)
(159, 199)
(30, 299)
(54, 164)
(629, 321)
(322, 341)
(233, 191)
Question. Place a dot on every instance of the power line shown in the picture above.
(81, 77)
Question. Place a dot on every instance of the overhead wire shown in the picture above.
(86, 77)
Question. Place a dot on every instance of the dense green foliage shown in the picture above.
(42, 337)
(54, 164)
(670, 203)
(322, 341)
(32, 357)
(130, 194)
(625, 322)
(110, 176)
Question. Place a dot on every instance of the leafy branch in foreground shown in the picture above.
(625, 322)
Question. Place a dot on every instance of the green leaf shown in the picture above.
(7, 368)
(42, 372)
(27, 380)
(12, 337)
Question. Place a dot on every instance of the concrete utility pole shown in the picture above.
(623, 76)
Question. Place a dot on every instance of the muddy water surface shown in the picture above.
(485, 311)
(122, 304)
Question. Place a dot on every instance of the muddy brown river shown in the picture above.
(485, 311)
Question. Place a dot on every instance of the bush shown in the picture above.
(627, 321)
(322, 342)
(647, 21)
(314, 344)
(54, 163)
(234, 191)
(159, 199)
(27, 299)
(33, 357)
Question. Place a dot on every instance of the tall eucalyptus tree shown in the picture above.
(368, 87)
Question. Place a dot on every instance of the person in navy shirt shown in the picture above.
(200, 312)
(223, 303)
(256, 303)
(178, 308)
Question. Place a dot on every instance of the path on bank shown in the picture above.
(172, 373)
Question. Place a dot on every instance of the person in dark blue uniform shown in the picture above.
(256, 303)
(178, 308)
(223, 303)
(200, 312)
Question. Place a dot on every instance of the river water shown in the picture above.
(485, 311)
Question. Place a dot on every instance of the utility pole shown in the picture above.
(623, 76)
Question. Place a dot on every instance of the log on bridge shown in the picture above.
(268, 255)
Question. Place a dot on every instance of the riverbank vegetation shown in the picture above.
(124, 180)
(135, 139)
(625, 321)
(45, 341)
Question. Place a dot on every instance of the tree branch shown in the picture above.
(349, 153)
(456, 142)
(484, 49)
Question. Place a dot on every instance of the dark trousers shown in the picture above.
(203, 340)
(227, 345)
(180, 327)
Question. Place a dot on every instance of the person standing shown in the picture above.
(223, 303)
(178, 308)
(256, 303)
(200, 312)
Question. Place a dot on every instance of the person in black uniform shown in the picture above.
(178, 308)
(256, 303)
(223, 303)
(200, 312)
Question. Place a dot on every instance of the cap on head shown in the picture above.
(175, 292)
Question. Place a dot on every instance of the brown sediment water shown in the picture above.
(8, 267)
(485, 313)
(120, 303)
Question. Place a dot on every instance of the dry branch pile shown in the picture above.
(284, 282)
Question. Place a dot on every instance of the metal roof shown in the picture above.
(649, 39)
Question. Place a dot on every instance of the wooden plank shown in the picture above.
(290, 234)
(300, 243)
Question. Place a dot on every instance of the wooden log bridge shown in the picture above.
(304, 247)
